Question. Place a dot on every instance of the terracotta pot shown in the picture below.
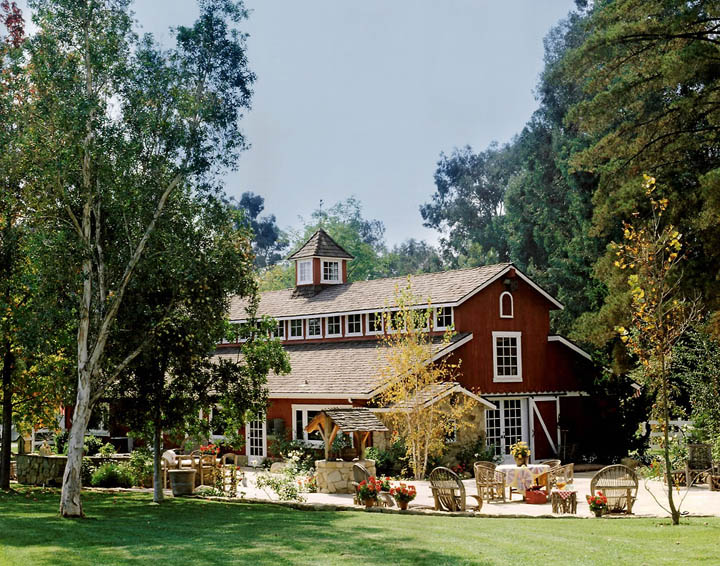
(403, 505)
(598, 512)
(369, 503)
(521, 460)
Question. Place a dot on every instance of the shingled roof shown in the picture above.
(439, 288)
(338, 370)
(355, 419)
(321, 245)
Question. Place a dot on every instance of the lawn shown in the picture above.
(128, 529)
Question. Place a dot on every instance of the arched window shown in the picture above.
(506, 305)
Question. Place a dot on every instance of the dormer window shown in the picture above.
(334, 327)
(331, 272)
(304, 272)
(506, 305)
(296, 329)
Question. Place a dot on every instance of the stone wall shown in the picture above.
(337, 476)
(34, 469)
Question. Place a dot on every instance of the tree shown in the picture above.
(269, 242)
(410, 380)
(121, 126)
(412, 257)
(649, 77)
(468, 205)
(182, 304)
(651, 254)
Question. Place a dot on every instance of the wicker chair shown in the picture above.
(489, 482)
(714, 477)
(360, 474)
(619, 484)
(551, 463)
(169, 461)
(449, 492)
(564, 474)
(206, 466)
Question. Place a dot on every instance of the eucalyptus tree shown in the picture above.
(123, 125)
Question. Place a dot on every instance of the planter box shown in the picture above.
(182, 482)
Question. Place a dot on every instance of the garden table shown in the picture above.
(564, 500)
(522, 478)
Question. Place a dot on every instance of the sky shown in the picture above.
(360, 98)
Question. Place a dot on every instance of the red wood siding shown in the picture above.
(548, 411)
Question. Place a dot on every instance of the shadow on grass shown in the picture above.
(127, 528)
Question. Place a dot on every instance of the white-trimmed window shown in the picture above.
(304, 272)
(375, 322)
(302, 415)
(353, 325)
(506, 305)
(217, 425)
(314, 329)
(507, 356)
(296, 328)
(279, 331)
(331, 272)
(394, 322)
(334, 327)
(443, 318)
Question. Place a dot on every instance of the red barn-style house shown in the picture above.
(529, 381)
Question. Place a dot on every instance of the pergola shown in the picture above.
(358, 421)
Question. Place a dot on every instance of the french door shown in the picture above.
(505, 426)
(255, 442)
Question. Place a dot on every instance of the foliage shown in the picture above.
(269, 241)
(60, 440)
(403, 493)
(391, 461)
(112, 474)
(285, 487)
(475, 450)
(370, 489)
(208, 491)
(696, 364)
(141, 463)
(340, 443)
(651, 254)
(87, 469)
(91, 445)
(520, 450)
(408, 376)
(106, 450)
(289, 448)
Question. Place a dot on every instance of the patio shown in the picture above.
(700, 501)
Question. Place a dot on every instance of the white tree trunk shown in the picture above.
(70, 503)
(157, 466)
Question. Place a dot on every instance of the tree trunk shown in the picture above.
(666, 437)
(8, 365)
(157, 465)
(70, 504)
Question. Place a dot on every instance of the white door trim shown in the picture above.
(255, 459)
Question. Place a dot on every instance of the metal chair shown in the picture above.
(449, 492)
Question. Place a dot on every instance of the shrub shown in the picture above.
(391, 461)
(111, 474)
(207, 491)
(284, 486)
(141, 463)
(106, 450)
(86, 471)
(473, 451)
(92, 445)
(61, 439)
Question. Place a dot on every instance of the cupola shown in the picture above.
(320, 261)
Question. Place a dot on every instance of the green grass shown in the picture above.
(128, 529)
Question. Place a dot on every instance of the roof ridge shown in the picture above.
(398, 277)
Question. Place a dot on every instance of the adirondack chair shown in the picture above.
(619, 484)
(449, 492)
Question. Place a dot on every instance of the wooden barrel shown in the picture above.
(182, 482)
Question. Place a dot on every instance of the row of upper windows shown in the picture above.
(330, 271)
(332, 326)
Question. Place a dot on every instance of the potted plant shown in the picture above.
(368, 491)
(403, 494)
(385, 484)
(598, 503)
(521, 452)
